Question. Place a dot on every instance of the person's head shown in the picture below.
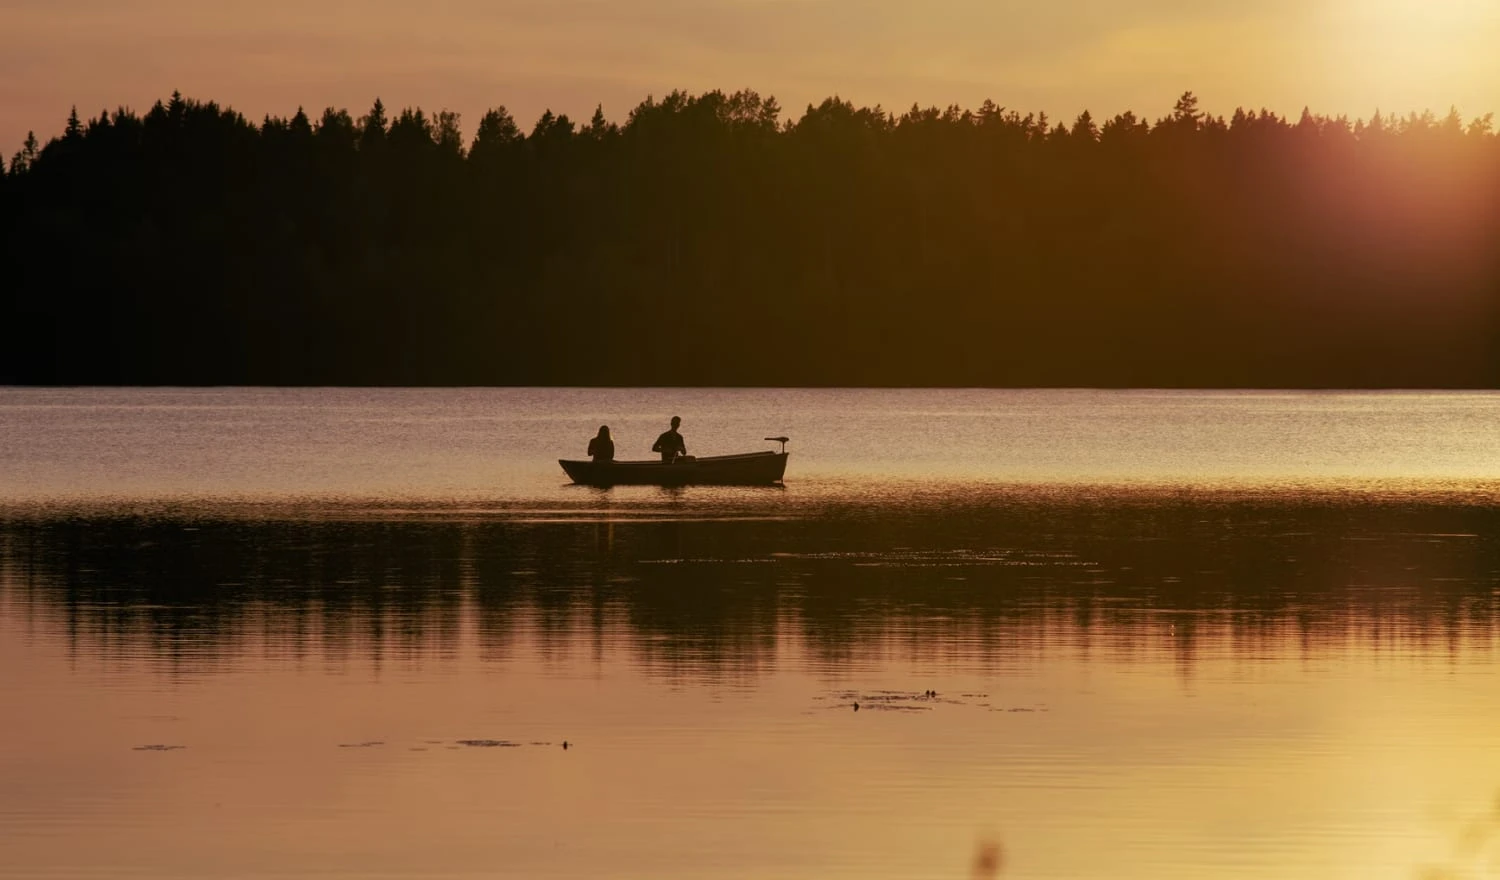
(604, 432)
(675, 422)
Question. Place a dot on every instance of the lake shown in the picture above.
(346, 633)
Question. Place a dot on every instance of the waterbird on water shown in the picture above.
(856, 707)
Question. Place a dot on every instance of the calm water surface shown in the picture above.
(344, 633)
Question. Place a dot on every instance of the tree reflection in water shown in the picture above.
(715, 597)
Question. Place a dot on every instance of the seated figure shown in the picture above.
(670, 444)
(601, 447)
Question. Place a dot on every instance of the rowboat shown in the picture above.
(745, 469)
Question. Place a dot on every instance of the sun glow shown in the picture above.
(1412, 54)
(569, 56)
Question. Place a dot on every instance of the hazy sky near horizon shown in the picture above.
(1058, 56)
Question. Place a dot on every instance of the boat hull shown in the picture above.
(749, 469)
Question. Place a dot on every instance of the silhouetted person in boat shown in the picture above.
(670, 444)
(601, 447)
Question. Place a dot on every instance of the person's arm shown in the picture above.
(656, 447)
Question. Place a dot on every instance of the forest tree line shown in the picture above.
(705, 240)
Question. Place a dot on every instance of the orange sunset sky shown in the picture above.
(1061, 56)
